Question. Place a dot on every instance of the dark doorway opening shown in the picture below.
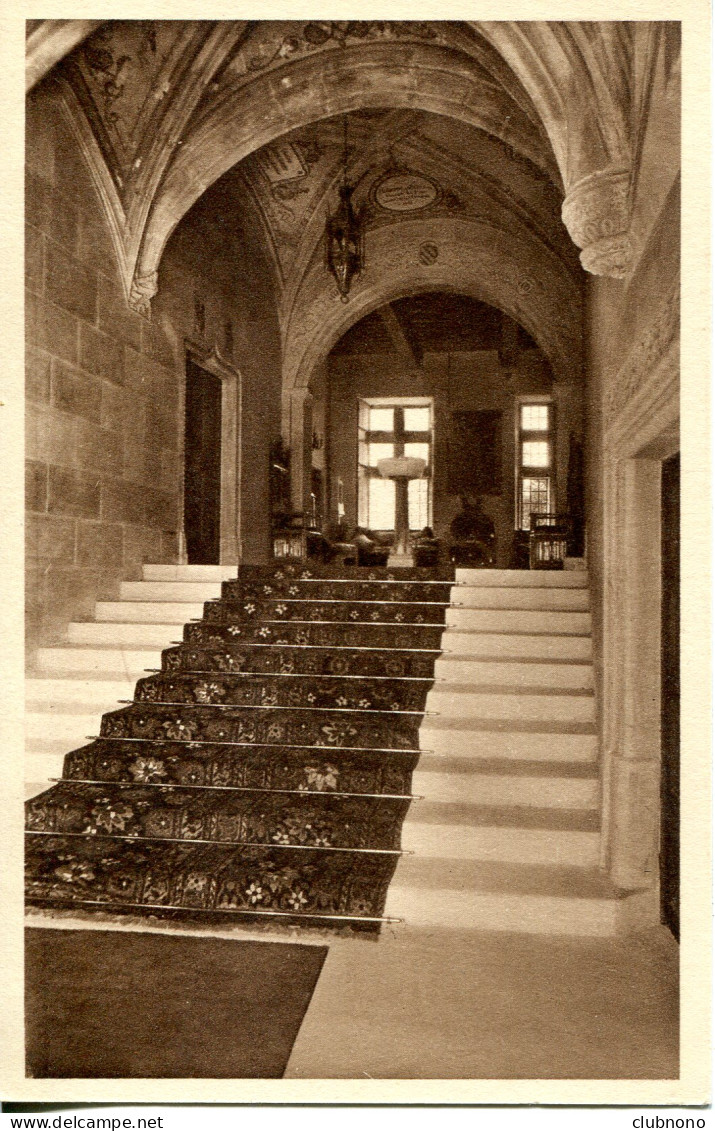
(202, 466)
(670, 697)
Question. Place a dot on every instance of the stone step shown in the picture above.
(519, 620)
(277, 570)
(48, 740)
(32, 788)
(528, 597)
(100, 689)
(530, 578)
(73, 658)
(516, 645)
(216, 573)
(539, 790)
(490, 739)
(474, 895)
(514, 835)
(44, 757)
(149, 612)
(456, 670)
(510, 785)
(465, 702)
(430, 590)
(169, 590)
(64, 728)
(512, 767)
(115, 633)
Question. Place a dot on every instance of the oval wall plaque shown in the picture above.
(406, 192)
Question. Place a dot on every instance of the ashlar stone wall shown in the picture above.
(631, 331)
(104, 387)
(101, 498)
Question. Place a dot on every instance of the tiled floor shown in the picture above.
(436, 1004)
(429, 1004)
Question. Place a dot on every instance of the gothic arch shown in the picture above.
(397, 76)
(579, 76)
(472, 259)
(566, 74)
(48, 41)
(559, 93)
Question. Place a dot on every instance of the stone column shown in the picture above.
(300, 435)
(632, 675)
(563, 396)
(402, 521)
(142, 291)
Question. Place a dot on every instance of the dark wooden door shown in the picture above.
(670, 698)
(202, 466)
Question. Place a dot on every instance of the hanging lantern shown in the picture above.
(344, 235)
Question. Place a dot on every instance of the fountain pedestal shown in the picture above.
(401, 469)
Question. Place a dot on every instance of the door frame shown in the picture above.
(638, 437)
(670, 718)
(210, 359)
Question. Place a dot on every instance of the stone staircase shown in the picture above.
(74, 683)
(506, 836)
(265, 771)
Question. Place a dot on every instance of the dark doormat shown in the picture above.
(113, 1004)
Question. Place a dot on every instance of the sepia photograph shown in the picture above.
(353, 554)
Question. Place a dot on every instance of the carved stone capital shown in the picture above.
(596, 212)
(301, 398)
(143, 289)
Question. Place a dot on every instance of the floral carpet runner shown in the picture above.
(266, 769)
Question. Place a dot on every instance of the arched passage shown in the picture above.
(557, 93)
(474, 259)
(375, 76)
(473, 366)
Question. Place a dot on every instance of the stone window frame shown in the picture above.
(397, 437)
(523, 471)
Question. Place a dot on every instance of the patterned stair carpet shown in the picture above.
(265, 771)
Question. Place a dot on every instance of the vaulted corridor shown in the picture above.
(352, 369)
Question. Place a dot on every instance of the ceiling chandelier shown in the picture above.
(344, 246)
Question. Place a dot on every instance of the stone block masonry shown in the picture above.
(105, 386)
(103, 399)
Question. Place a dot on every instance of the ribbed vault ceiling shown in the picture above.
(520, 127)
